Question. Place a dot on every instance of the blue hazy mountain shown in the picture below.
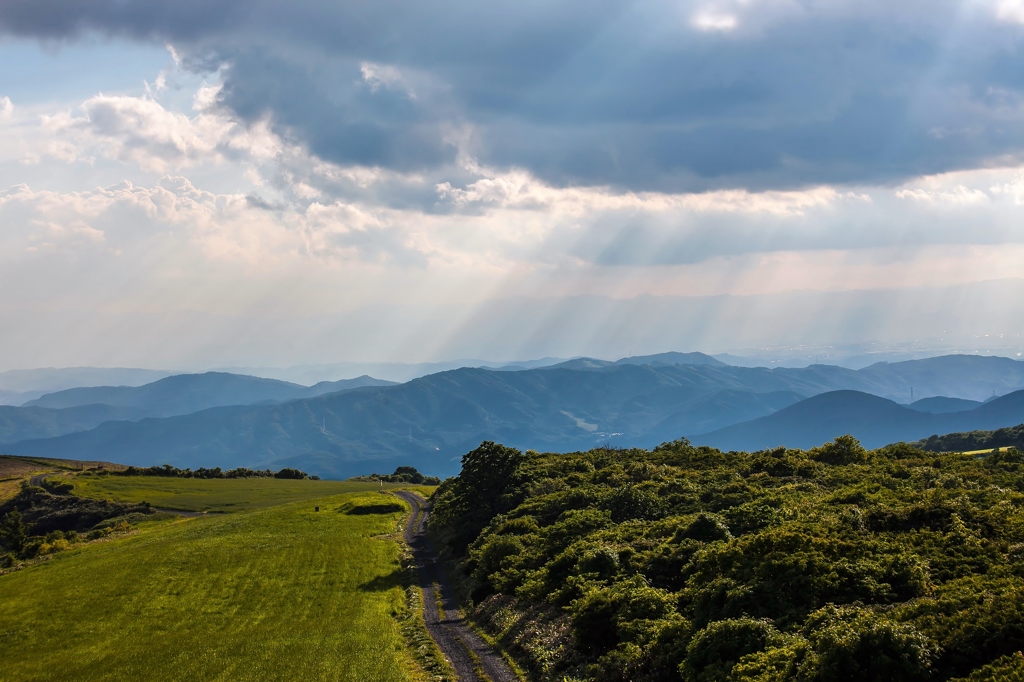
(186, 393)
(48, 379)
(656, 360)
(873, 420)
(22, 423)
(942, 405)
(433, 420)
(81, 409)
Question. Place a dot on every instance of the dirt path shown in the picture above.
(468, 654)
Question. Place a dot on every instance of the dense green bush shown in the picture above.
(403, 474)
(689, 563)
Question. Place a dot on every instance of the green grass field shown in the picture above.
(196, 494)
(268, 593)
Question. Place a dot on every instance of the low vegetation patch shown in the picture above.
(42, 521)
(269, 593)
(168, 471)
(403, 474)
(689, 563)
(971, 441)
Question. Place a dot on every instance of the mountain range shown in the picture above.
(431, 421)
(81, 409)
(873, 420)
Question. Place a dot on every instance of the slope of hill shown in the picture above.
(672, 358)
(432, 421)
(657, 360)
(49, 379)
(186, 393)
(1011, 436)
(874, 421)
(962, 376)
(23, 423)
(943, 405)
(18, 397)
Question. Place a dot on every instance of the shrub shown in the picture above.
(715, 650)
(57, 486)
(290, 474)
(843, 450)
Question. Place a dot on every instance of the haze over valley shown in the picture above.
(352, 427)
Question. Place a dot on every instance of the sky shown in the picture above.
(207, 183)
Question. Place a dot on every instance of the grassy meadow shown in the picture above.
(274, 591)
(218, 495)
(13, 470)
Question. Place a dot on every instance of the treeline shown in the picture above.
(687, 563)
(403, 474)
(1011, 436)
(49, 519)
(241, 472)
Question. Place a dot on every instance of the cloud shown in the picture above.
(1010, 10)
(294, 202)
(706, 21)
(6, 107)
(653, 96)
(141, 131)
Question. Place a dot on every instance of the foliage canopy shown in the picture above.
(689, 563)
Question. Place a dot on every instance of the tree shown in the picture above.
(487, 486)
(13, 533)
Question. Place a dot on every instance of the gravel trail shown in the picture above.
(471, 657)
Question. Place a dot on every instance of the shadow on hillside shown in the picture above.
(383, 583)
(362, 510)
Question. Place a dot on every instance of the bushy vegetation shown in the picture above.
(169, 471)
(971, 441)
(693, 564)
(403, 474)
(45, 520)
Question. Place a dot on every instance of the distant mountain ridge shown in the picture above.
(80, 409)
(431, 421)
(48, 379)
(657, 360)
(873, 420)
(186, 393)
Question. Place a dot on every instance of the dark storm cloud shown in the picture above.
(775, 94)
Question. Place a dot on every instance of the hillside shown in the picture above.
(186, 393)
(686, 563)
(435, 418)
(943, 405)
(971, 441)
(81, 409)
(22, 423)
(254, 594)
(875, 421)
(49, 379)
